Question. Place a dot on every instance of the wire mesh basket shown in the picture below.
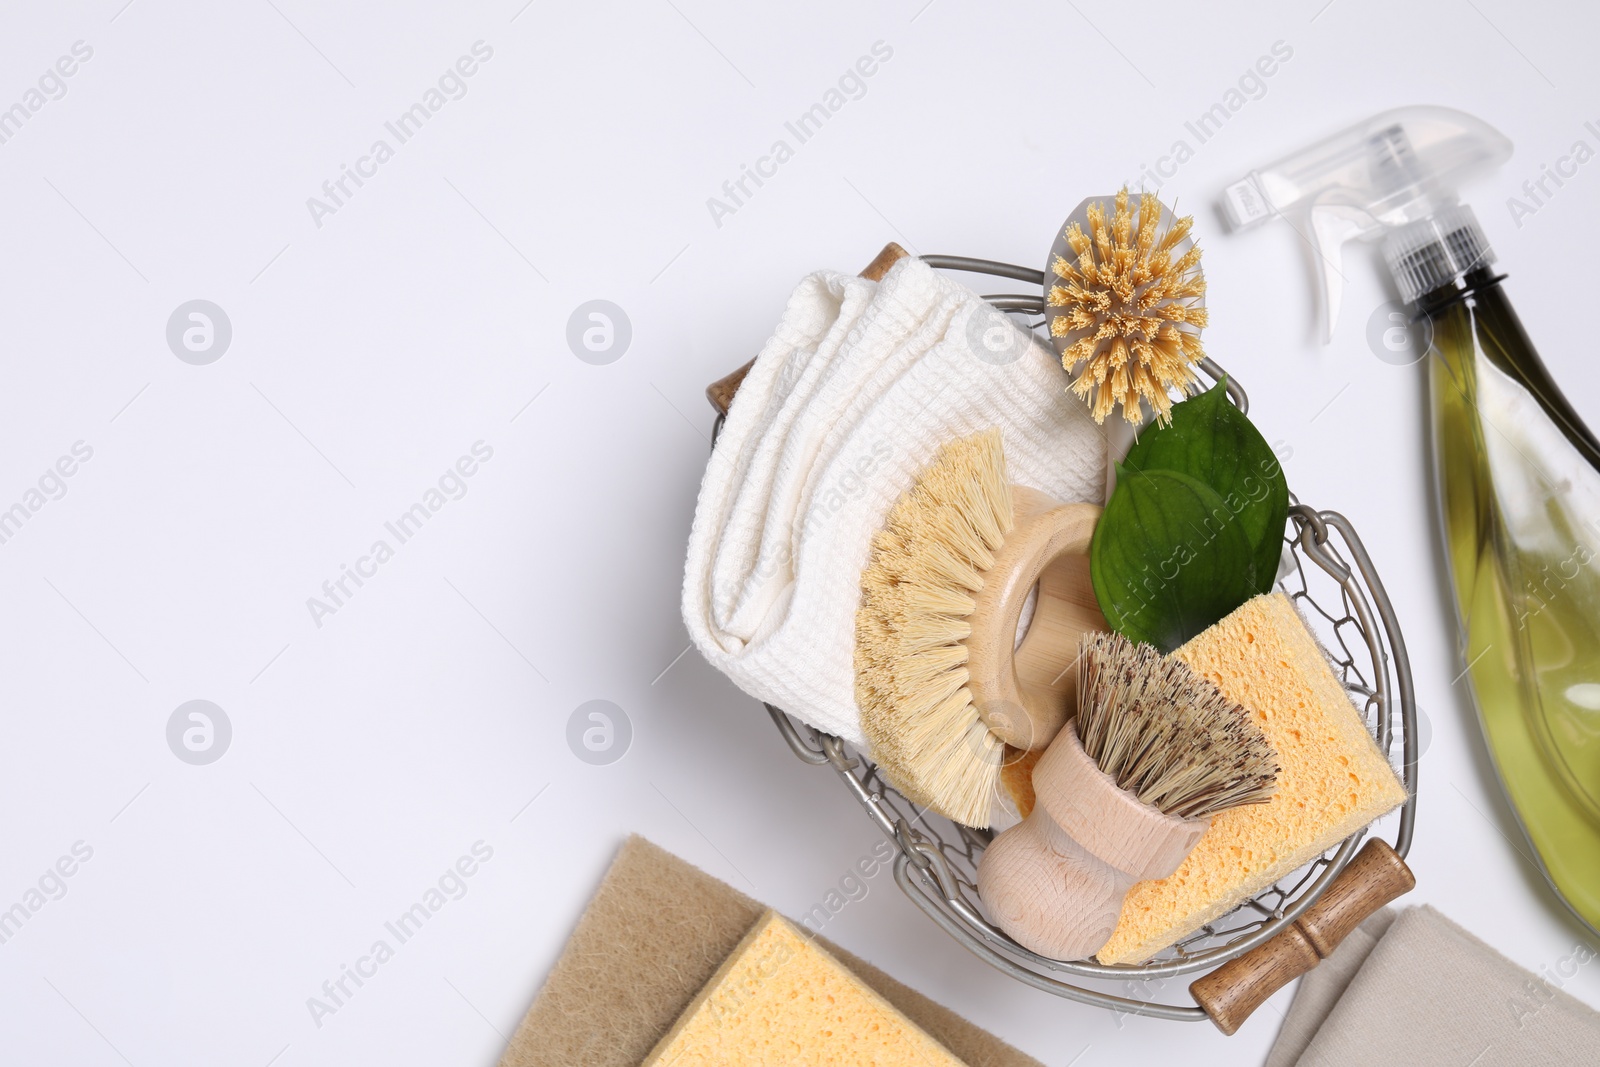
(1330, 578)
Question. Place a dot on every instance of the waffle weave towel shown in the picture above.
(860, 385)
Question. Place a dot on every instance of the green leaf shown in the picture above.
(1168, 558)
(1211, 440)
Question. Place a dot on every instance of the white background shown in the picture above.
(369, 353)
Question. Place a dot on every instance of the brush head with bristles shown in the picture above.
(1130, 309)
(917, 592)
(1167, 735)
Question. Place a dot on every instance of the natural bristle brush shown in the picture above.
(1127, 303)
(941, 681)
(1122, 796)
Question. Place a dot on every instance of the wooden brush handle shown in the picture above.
(1049, 893)
(721, 391)
(1231, 992)
(1056, 882)
(1025, 693)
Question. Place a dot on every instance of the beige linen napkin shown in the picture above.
(1413, 988)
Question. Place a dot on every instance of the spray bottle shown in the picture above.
(1516, 471)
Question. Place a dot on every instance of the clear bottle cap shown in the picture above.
(1436, 250)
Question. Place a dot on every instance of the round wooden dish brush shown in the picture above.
(941, 681)
(1121, 797)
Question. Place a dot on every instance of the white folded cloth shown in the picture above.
(859, 386)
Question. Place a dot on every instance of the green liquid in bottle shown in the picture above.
(1519, 481)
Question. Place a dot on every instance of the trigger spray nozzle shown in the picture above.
(1393, 176)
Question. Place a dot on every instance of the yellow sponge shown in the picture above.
(781, 999)
(1333, 779)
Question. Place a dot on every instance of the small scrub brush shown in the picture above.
(1167, 735)
(1122, 797)
(941, 682)
(1130, 312)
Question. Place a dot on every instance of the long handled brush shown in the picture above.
(941, 681)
